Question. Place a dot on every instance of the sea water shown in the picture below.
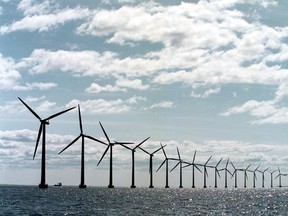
(68, 200)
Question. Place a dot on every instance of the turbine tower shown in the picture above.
(133, 150)
(180, 162)
(279, 176)
(234, 173)
(151, 163)
(82, 136)
(205, 171)
(42, 130)
(272, 177)
(226, 171)
(110, 147)
(193, 169)
(263, 176)
(166, 161)
(245, 175)
(254, 175)
(217, 172)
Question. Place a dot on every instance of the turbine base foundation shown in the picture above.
(133, 186)
(110, 186)
(43, 186)
(151, 186)
(166, 186)
(82, 186)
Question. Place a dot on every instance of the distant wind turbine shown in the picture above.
(166, 161)
(245, 175)
(133, 150)
(279, 176)
(254, 175)
(272, 177)
(263, 176)
(205, 171)
(193, 169)
(151, 163)
(82, 136)
(110, 146)
(226, 171)
(180, 162)
(217, 172)
(42, 130)
(234, 174)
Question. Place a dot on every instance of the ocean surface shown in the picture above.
(70, 200)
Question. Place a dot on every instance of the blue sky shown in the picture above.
(199, 75)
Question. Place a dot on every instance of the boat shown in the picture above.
(59, 184)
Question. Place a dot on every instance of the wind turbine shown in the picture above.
(82, 136)
(254, 176)
(217, 172)
(234, 173)
(151, 163)
(205, 171)
(226, 171)
(166, 161)
(180, 162)
(272, 177)
(110, 147)
(263, 176)
(245, 175)
(193, 169)
(279, 176)
(42, 130)
(133, 150)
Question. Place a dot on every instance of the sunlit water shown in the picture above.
(30, 200)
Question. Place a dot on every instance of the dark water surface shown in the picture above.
(30, 200)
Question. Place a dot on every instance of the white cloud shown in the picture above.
(162, 104)
(95, 88)
(32, 7)
(206, 93)
(265, 112)
(102, 106)
(45, 22)
(134, 84)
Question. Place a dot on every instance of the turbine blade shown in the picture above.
(123, 143)
(29, 108)
(194, 157)
(265, 169)
(163, 150)
(277, 176)
(59, 113)
(161, 165)
(218, 173)
(187, 165)
(37, 141)
(208, 160)
(92, 138)
(141, 142)
(158, 150)
(227, 163)
(279, 169)
(105, 133)
(103, 154)
(175, 166)
(233, 165)
(219, 162)
(205, 171)
(229, 172)
(255, 175)
(197, 168)
(178, 154)
(248, 167)
(80, 119)
(70, 144)
(125, 146)
(144, 150)
(257, 168)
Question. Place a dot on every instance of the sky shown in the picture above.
(206, 75)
